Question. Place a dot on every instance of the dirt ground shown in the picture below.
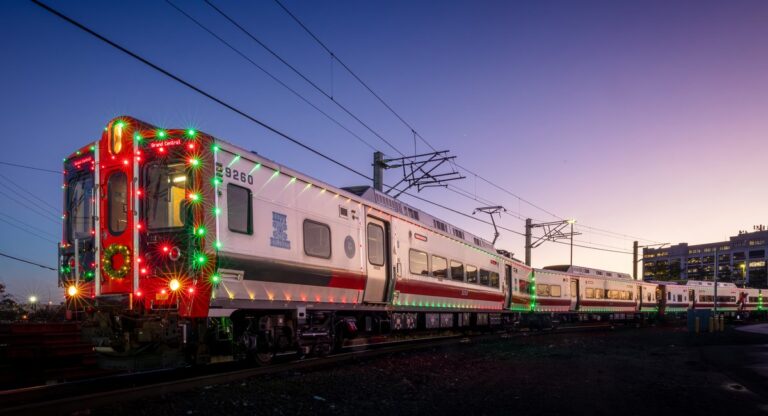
(649, 371)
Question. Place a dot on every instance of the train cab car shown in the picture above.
(750, 300)
(674, 298)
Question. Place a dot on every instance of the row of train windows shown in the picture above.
(754, 299)
(592, 293)
(443, 268)
(553, 291)
(710, 298)
(317, 235)
(680, 298)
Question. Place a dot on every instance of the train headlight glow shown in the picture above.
(174, 285)
(72, 290)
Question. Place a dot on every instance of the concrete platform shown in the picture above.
(755, 329)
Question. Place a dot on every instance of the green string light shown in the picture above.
(161, 134)
(191, 132)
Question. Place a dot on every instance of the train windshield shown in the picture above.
(80, 207)
(165, 195)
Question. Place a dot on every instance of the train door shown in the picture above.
(378, 260)
(508, 279)
(692, 298)
(574, 294)
(117, 222)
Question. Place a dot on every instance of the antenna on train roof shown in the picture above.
(490, 211)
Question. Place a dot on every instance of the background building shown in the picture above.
(741, 260)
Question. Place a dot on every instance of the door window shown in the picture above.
(117, 203)
(375, 244)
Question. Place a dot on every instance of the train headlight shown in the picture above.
(72, 290)
(174, 285)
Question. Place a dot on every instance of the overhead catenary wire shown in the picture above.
(414, 131)
(270, 75)
(4, 182)
(32, 233)
(27, 261)
(30, 167)
(239, 111)
(33, 208)
(300, 74)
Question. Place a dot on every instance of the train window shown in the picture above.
(599, 294)
(165, 184)
(485, 277)
(669, 295)
(494, 279)
(624, 295)
(589, 293)
(419, 262)
(375, 244)
(439, 267)
(574, 288)
(239, 203)
(317, 239)
(523, 286)
(631, 296)
(542, 290)
(555, 291)
(457, 271)
(679, 298)
(471, 274)
(117, 202)
(79, 205)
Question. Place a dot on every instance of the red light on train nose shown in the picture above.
(191, 290)
(165, 249)
(191, 146)
(138, 294)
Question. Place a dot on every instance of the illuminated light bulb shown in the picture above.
(137, 137)
(194, 197)
(138, 294)
(191, 132)
(161, 150)
(216, 211)
(200, 232)
(201, 259)
(143, 271)
(72, 290)
(32, 299)
(195, 162)
(215, 278)
(161, 134)
(174, 285)
(217, 244)
(93, 148)
(165, 249)
(215, 147)
(191, 146)
(191, 290)
(138, 226)
(125, 162)
(78, 153)
(162, 291)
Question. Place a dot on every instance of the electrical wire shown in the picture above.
(40, 230)
(413, 130)
(27, 261)
(269, 74)
(32, 233)
(243, 113)
(29, 167)
(47, 208)
(300, 74)
(33, 208)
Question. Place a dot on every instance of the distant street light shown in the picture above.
(33, 301)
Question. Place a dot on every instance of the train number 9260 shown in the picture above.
(238, 175)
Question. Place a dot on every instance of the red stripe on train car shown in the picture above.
(417, 287)
(607, 303)
(341, 280)
(553, 302)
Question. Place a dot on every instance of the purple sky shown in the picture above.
(643, 118)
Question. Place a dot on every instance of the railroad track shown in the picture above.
(72, 397)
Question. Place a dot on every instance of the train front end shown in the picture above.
(139, 231)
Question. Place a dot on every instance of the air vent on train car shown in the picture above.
(343, 212)
(229, 274)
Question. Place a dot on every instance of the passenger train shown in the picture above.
(175, 237)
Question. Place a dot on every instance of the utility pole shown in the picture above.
(634, 259)
(571, 222)
(378, 171)
(528, 227)
(715, 304)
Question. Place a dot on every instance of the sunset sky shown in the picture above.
(646, 119)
